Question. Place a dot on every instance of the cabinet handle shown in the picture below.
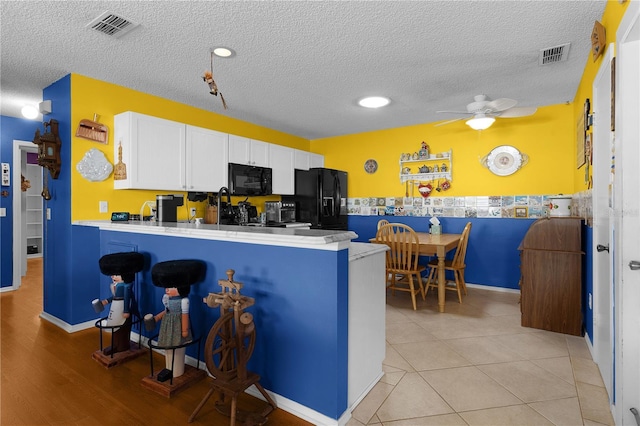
(634, 265)
(600, 248)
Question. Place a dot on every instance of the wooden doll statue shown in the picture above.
(122, 267)
(176, 277)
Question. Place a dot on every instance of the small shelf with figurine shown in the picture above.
(414, 167)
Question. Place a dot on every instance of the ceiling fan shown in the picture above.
(484, 112)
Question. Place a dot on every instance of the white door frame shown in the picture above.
(627, 217)
(603, 306)
(19, 240)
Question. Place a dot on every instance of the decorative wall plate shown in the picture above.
(504, 160)
(370, 166)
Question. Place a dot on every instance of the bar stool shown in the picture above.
(176, 277)
(123, 310)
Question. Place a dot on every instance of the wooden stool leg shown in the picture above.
(199, 407)
(272, 404)
(234, 403)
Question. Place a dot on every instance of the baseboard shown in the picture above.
(493, 288)
(66, 326)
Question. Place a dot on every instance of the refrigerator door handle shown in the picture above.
(337, 195)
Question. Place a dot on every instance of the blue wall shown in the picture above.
(492, 257)
(10, 129)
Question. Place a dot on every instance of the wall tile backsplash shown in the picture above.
(489, 206)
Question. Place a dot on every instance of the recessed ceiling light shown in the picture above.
(30, 111)
(223, 52)
(374, 102)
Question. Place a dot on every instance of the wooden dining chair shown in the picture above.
(456, 265)
(402, 268)
(381, 223)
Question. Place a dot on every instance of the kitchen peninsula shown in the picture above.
(319, 311)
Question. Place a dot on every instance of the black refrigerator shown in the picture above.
(321, 198)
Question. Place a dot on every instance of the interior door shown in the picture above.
(602, 298)
(627, 208)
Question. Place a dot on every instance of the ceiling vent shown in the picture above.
(551, 55)
(112, 25)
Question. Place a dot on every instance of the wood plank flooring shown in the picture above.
(47, 376)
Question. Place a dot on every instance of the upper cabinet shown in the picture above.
(154, 153)
(304, 160)
(149, 152)
(248, 151)
(206, 160)
(281, 159)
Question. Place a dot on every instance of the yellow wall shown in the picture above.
(610, 20)
(546, 137)
(89, 96)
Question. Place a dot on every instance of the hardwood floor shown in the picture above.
(49, 378)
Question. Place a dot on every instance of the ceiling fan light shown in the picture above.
(480, 123)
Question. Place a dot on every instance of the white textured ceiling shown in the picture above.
(301, 65)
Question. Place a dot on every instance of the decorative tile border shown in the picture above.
(489, 206)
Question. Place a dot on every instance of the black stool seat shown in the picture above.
(121, 263)
(177, 273)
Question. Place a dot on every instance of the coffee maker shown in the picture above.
(167, 207)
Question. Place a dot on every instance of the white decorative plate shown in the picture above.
(94, 166)
(504, 160)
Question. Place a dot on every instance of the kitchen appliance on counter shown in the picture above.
(280, 211)
(321, 198)
(167, 207)
(249, 180)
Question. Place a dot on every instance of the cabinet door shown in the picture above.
(153, 152)
(206, 159)
(281, 160)
(239, 150)
(316, 160)
(260, 153)
(300, 159)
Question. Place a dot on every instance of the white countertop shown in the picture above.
(290, 237)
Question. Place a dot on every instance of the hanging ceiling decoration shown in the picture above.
(213, 88)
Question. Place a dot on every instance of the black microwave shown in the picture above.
(249, 180)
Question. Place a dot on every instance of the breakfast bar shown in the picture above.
(319, 302)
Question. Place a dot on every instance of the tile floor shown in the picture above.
(475, 365)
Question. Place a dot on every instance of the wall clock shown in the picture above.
(504, 160)
(370, 166)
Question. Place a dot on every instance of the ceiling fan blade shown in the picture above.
(455, 112)
(450, 121)
(518, 112)
(501, 104)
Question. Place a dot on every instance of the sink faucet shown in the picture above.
(220, 191)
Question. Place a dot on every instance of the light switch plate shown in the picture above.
(3, 212)
(104, 207)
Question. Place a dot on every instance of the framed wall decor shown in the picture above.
(521, 212)
(580, 139)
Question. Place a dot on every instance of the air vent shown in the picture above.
(112, 25)
(551, 55)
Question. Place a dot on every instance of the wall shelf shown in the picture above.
(431, 161)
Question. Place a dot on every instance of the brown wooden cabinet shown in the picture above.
(551, 275)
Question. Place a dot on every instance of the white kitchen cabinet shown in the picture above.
(281, 161)
(206, 159)
(304, 160)
(316, 160)
(248, 151)
(152, 150)
(165, 155)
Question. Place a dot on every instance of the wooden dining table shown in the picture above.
(437, 245)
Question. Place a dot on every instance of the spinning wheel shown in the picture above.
(222, 352)
(229, 346)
